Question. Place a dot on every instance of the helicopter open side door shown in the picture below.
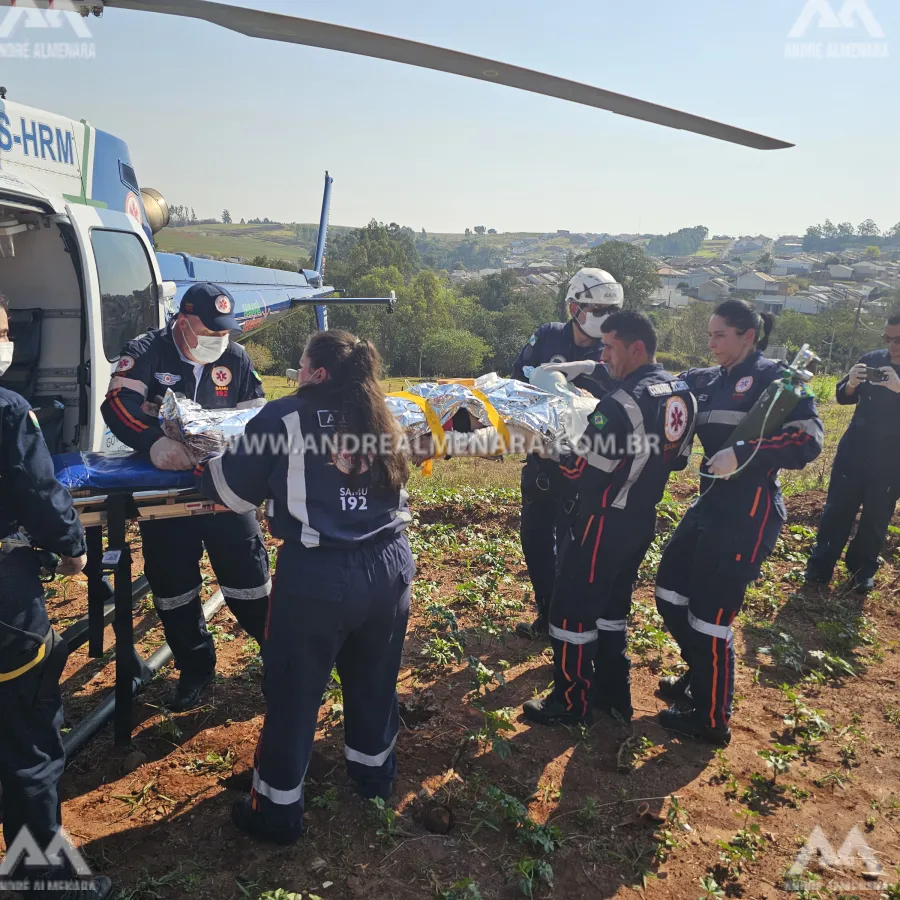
(124, 296)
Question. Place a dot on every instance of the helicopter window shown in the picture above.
(128, 301)
(129, 179)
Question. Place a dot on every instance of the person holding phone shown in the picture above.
(866, 469)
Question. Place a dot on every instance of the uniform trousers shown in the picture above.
(31, 749)
(716, 551)
(332, 607)
(600, 555)
(541, 515)
(172, 551)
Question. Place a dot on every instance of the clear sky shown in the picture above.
(215, 119)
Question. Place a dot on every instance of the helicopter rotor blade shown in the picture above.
(289, 29)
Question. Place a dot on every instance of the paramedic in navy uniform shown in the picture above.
(635, 437)
(719, 546)
(342, 580)
(592, 295)
(192, 356)
(866, 470)
(32, 656)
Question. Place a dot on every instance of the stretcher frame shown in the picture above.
(114, 509)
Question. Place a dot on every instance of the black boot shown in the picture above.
(814, 577)
(687, 722)
(552, 711)
(244, 817)
(863, 585)
(190, 689)
(535, 631)
(618, 709)
(674, 687)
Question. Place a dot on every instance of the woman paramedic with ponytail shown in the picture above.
(329, 460)
(719, 546)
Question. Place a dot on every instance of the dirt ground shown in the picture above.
(615, 810)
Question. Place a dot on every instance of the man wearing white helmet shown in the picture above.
(592, 296)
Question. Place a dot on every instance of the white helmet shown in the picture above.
(595, 286)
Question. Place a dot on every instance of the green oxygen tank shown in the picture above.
(771, 411)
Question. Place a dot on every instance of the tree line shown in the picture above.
(828, 236)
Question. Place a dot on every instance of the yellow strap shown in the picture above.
(433, 422)
(9, 676)
(495, 420)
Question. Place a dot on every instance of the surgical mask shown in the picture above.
(6, 356)
(208, 348)
(592, 324)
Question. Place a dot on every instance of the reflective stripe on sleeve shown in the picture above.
(629, 404)
(229, 497)
(612, 625)
(278, 797)
(721, 417)
(574, 637)
(812, 427)
(365, 759)
(167, 603)
(603, 463)
(254, 593)
(296, 481)
(717, 631)
(131, 384)
(672, 597)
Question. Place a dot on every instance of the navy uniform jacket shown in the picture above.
(636, 437)
(554, 342)
(873, 437)
(30, 498)
(723, 401)
(287, 454)
(150, 364)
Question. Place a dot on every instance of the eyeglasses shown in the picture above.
(891, 340)
(594, 310)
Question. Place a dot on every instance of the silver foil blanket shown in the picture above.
(206, 432)
(516, 402)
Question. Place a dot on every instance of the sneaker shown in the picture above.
(552, 711)
(863, 585)
(535, 631)
(686, 722)
(674, 687)
(190, 688)
(251, 822)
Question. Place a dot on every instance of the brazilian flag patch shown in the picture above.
(257, 376)
(34, 419)
(598, 420)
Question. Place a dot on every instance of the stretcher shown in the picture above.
(111, 490)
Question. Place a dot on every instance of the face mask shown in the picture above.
(6, 356)
(592, 324)
(208, 349)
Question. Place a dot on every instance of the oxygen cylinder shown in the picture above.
(770, 412)
(767, 418)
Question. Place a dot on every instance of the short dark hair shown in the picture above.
(894, 319)
(742, 316)
(630, 326)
